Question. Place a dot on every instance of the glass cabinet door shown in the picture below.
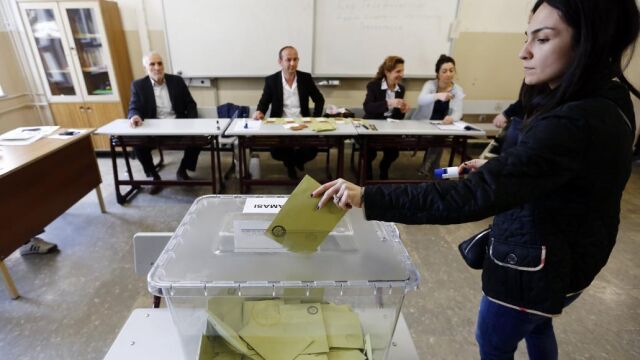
(90, 45)
(47, 37)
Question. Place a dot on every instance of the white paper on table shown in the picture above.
(248, 125)
(26, 135)
(28, 132)
(457, 125)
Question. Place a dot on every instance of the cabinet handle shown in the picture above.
(82, 108)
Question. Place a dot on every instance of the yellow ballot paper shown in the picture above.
(300, 226)
(346, 355)
(323, 126)
(343, 327)
(213, 347)
(231, 336)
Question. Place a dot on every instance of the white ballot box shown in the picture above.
(235, 293)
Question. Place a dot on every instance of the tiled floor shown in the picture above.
(74, 302)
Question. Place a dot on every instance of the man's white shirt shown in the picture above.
(290, 98)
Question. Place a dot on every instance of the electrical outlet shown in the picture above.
(200, 82)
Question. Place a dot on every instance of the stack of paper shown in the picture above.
(26, 135)
(279, 330)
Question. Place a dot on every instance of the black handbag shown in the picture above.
(474, 249)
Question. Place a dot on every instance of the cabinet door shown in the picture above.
(44, 29)
(71, 115)
(99, 114)
(90, 51)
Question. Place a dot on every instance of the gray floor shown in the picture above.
(74, 302)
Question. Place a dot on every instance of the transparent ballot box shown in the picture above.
(235, 293)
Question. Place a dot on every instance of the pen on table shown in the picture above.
(218, 124)
(246, 124)
(31, 129)
(365, 126)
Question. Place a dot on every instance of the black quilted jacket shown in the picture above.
(555, 197)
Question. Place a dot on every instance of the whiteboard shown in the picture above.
(334, 38)
(236, 38)
(353, 37)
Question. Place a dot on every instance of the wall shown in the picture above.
(482, 75)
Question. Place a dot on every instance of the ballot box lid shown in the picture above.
(220, 245)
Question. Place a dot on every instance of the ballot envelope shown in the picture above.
(236, 293)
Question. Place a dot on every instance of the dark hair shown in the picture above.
(602, 32)
(388, 64)
(443, 59)
(283, 49)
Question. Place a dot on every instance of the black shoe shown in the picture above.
(182, 175)
(291, 172)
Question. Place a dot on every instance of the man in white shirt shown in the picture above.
(288, 92)
(161, 96)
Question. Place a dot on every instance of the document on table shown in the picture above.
(300, 226)
(457, 125)
(26, 135)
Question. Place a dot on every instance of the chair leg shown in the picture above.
(156, 301)
(232, 167)
(328, 164)
(356, 170)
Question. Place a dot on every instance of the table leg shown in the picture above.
(114, 164)
(241, 163)
(340, 160)
(9, 281)
(364, 153)
(212, 150)
(103, 209)
(219, 161)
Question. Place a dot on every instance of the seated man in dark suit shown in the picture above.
(288, 92)
(161, 96)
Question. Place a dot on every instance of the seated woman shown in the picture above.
(385, 100)
(440, 99)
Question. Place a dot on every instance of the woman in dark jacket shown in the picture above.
(385, 99)
(556, 209)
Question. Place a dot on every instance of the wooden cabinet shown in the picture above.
(82, 57)
(87, 115)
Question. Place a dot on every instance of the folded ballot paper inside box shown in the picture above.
(256, 299)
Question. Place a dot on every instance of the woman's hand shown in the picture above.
(395, 103)
(405, 107)
(472, 165)
(343, 193)
(448, 120)
(444, 96)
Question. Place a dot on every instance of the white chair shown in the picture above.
(147, 246)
